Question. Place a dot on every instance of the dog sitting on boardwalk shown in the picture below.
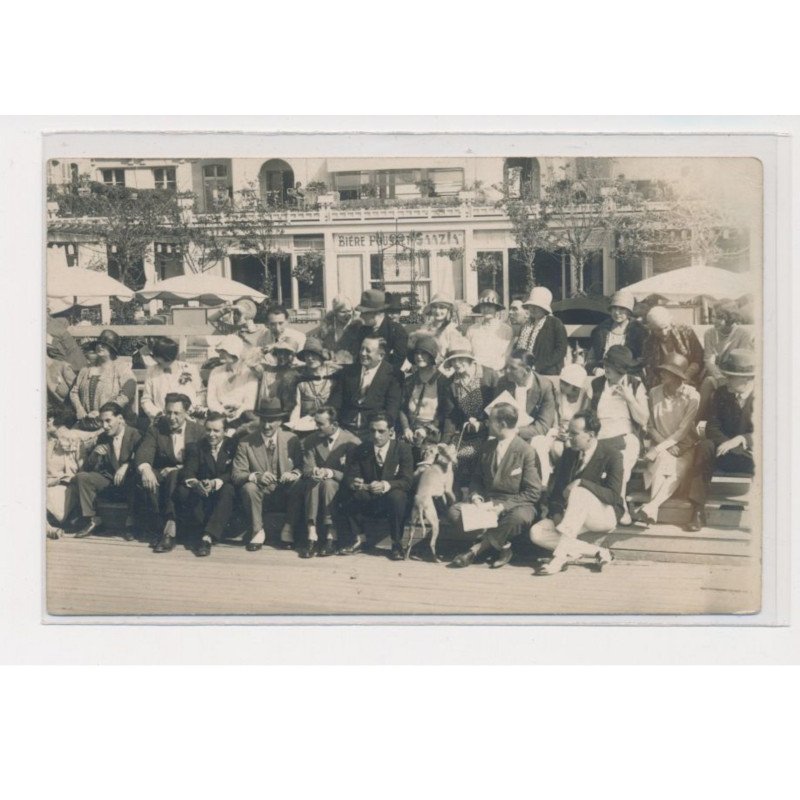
(435, 480)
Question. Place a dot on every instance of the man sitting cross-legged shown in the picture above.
(505, 476)
(206, 490)
(585, 498)
(159, 460)
(325, 455)
(266, 469)
(106, 473)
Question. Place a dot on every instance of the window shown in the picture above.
(164, 178)
(215, 171)
(216, 187)
(168, 260)
(348, 184)
(393, 273)
(70, 252)
(446, 181)
(113, 177)
(73, 174)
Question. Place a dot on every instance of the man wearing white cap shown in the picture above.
(544, 336)
(667, 337)
(232, 386)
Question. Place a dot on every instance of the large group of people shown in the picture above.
(336, 429)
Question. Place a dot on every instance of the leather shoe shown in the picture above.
(603, 558)
(351, 549)
(252, 547)
(552, 567)
(328, 548)
(285, 545)
(642, 518)
(463, 559)
(202, 548)
(88, 530)
(696, 524)
(503, 557)
(165, 544)
(309, 551)
(397, 553)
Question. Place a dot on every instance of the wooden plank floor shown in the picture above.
(108, 576)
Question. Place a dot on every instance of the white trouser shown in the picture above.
(585, 514)
(542, 445)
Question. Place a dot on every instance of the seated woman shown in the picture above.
(619, 400)
(461, 410)
(106, 380)
(168, 375)
(233, 387)
(420, 403)
(619, 329)
(672, 430)
(313, 388)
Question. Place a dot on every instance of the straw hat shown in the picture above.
(739, 364)
(439, 300)
(488, 298)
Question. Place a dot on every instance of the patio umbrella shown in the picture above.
(692, 282)
(210, 290)
(84, 287)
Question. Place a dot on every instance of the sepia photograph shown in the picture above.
(457, 385)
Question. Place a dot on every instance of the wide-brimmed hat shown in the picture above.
(232, 345)
(488, 298)
(459, 352)
(574, 375)
(372, 300)
(165, 348)
(439, 300)
(676, 364)
(541, 297)
(427, 344)
(739, 364)
(620, 358)
(314, 347)
(283, 343)
(109, 339)
(622, 299)
(271, 409)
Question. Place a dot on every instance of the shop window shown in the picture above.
(404, 273)
(164, 178)
(113, 177)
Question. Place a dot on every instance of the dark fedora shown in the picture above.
(314, 347)
(619, 357)
(372, 300)
(110, 340)
(165, 348)
(271, 409)
(739, 364)
(676, 364)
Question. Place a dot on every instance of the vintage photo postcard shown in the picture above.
(450, 385)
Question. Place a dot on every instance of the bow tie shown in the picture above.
(329, 441)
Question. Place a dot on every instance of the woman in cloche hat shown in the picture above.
(314, 384)
(620, 328)
(106, 379)
(168, 374)
(422, 387)
(672, 431)
(441, 322)
(544, 335)
(490, 337)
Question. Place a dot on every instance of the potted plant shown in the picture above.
(426, 187)
(471, 193)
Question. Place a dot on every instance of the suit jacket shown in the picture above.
(728, 419)
(396, 340)
(398, 469)
(251, 455)
(540, 405)
(514, 482)
(156, 448)
(550, 348)
(602, 475)
(635, 336)
(384, 394)
(199, 463)
(317, 455)
(107, 464)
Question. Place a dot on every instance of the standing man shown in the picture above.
(506, 477)
(729, 431)
(266, 469)
(377, 479)
(586, 497)
(367, 387)
(544, 335)
(159, 460)
(206, 490)
(325, 454)
(376, 325)
(664, 338)
(106, 472)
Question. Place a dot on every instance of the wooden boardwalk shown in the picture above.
(108, 576)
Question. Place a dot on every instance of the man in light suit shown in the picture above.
(206, 490)
(106, 472)
(376, 483)
(325, 455)
(365, 388)
(159, 460)
(266, 469)
(505, 476)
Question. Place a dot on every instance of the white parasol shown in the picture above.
(208, 289)
(84, 287)
(721, 284)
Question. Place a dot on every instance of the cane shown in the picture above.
(463, 428)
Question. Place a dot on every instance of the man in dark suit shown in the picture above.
(159, 460)
(728, 445)
(507, 479)
(377, 479)
(106, 472)
(586, 497)
(266, 470)
(325, 454)
(377, 325)
(365, 388)
(206, 490)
